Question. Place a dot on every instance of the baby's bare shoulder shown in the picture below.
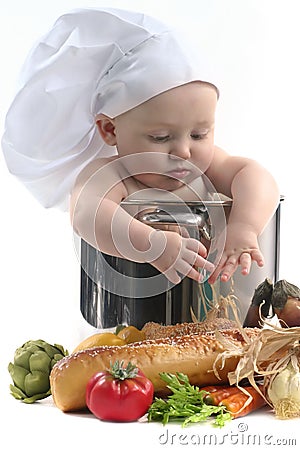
(99, 178)
(100, 167)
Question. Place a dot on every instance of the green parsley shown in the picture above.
(186, 404)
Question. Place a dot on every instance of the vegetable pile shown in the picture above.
(268, 370)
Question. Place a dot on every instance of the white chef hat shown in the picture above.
(92, 61)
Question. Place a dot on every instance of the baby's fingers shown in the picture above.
(229, 268)
(226, 267)
(257, 256)
(246, 259)
(229, 265)
(195, 254)
(202, 263)
(185, 269)
(196, 247)
(245, 263)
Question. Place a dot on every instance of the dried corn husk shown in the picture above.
(219, 306)
(266, 355)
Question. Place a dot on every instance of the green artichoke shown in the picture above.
(31, 368)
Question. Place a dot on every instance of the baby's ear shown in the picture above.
(106, 127)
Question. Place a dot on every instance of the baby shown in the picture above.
(114, 104)
(172, 128)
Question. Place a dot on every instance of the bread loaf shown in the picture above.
(193, 355)
(153, 330)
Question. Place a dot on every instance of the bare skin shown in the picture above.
(158, 144)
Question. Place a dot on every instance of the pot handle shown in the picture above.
(198, 218)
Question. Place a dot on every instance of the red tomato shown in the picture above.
(119, 394)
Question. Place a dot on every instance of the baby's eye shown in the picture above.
(199, 136)
(159, 138)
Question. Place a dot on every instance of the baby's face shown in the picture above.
(174, 131)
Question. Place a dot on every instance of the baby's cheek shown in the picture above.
(204, 159)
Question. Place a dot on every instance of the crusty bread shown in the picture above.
(193, 355)
(155, 330)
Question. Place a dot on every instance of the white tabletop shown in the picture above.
(43, 426)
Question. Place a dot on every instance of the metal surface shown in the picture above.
(197, 217)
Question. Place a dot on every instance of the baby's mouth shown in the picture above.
(179, 173)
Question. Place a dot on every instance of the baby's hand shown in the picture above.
(241, 249)
(179, 255)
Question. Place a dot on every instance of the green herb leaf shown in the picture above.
(185, 404)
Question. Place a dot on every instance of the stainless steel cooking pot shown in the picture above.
(117, 291)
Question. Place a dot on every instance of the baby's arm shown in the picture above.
(255, 198)
(97, 218)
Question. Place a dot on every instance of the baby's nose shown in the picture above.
(181, 150)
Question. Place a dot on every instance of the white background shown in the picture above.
(256, 46)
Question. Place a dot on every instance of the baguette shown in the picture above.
(193, 355)
(153, 330)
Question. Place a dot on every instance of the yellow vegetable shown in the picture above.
(99, 339)
(131, 334)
